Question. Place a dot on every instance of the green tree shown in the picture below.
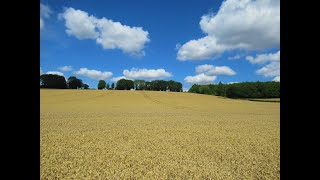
(52, 81)
(139, 84)
(112, 86)
(108, 86)
(204, 89)
(101, 84)
(124, 84)
(219, 89)
(85, 86)
(194, 88)
(74, 83)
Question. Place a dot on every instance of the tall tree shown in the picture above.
(108, 86)
(112, 86)
(85, 86)
(52, 81)
(124, 84)
(101, 84)
(139, 84)
(74, 83)
(219, 89)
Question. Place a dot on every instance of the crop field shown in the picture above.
(92, 134)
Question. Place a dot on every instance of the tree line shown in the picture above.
(59, 82)
(240, 90)
(156, 85)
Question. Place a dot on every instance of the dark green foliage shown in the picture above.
(156, 85)
(159, 85)
(108, 86)
(240, 90)
(85, 86)
(52, 81)
(101, 84)
(254, 90)
(204, 89)
(174, 86)
(74, 83)
(195, 88)
(124, 84)
(139, 84)
(148, 86)
(112, 86)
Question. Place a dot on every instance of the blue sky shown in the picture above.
(193, 42)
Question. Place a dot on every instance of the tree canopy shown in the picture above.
(240, 90)
(101, 84)
(85, 86)
(124, 84)
(52, 81)
(74, 83)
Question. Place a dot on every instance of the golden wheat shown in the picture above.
(91, 134)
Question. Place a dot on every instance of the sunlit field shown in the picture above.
(108, 134)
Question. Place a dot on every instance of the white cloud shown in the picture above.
(239, 24)
(270, 70)
(65, 68)
(80, 24)
(45, 12)
(263, 58)
(116, 79)
(114, 35)
(55, 72)
(41, 72)
(201, 49)
(232, 82)
(277, 78)
(109, 34)
(94, 74)
(200, 79)
(147, 74)
(234, 57)
(211, 70)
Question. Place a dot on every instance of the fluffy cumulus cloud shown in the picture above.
(200, 79)
(206, 74)
(80, 24)
(211, 70)
(201, 49)
(94, 74)
(45, 13)
(270, 70)
(263, 58)
(107, 33)
(239, 24)
(65, 68)
(146, 74)
(55, 72)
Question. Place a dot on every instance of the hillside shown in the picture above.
(136, 134)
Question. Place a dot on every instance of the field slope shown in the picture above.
(91, 134)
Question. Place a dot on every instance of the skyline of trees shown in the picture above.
(257, 89)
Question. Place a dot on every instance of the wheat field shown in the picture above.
(92, 134)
